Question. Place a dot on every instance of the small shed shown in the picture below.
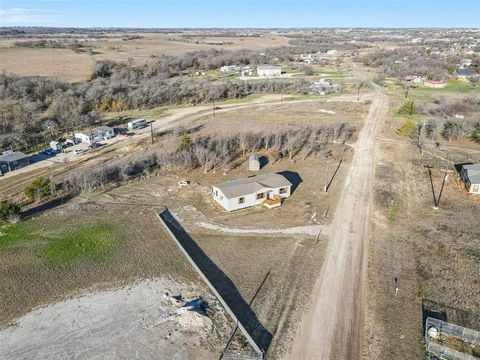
(254, 163)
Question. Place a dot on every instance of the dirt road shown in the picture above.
(332, 328)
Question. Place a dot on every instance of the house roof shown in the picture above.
(465, 72)
(239, 187)
(253, 157)
(473, 172)
(13, 157)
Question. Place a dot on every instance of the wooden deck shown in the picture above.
(274, 202)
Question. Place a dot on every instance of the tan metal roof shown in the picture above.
(239, 187)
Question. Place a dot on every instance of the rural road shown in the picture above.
(332, 328)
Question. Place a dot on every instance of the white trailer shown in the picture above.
(135, 124)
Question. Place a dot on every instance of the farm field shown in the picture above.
(75, 67)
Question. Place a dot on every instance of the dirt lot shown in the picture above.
(433, 253)
(141, 320)
(70, 66)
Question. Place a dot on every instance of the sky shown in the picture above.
(234, 13)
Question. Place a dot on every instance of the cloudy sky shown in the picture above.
(233, 13)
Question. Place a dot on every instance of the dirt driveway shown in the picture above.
(332, 328)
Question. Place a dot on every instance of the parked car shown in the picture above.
(80, 151)
(48, 152)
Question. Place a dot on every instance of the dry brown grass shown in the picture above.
(61, 64)
(433, 253)
(67, 65)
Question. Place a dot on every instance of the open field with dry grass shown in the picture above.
(65, 64)
(433, 253)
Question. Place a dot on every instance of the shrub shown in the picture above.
(9, 211)
(407, 108)
(185, 142)
(38, 189)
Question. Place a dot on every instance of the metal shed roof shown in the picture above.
(13, 157)
(240, 187)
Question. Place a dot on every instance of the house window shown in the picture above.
(216, 193)
(241, 200)
(282, 190)
(476, 188)
(260, 196)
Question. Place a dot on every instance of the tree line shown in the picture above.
(185, 152)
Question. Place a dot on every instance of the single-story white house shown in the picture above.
(471, 177)
(267, 190)
(91, 136)
(269, 70)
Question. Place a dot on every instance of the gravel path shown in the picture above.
(306, 229)
(332, 328)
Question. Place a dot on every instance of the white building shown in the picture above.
(254, 163)
(229, 68)
(91, 136)
(323, 87)
(269, 70)
(265, 190)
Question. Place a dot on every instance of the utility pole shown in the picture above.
(445, 176)
(326, 178)
(213, 107)
(406, 92)
(411, 107)
(151, 131)
(429, 168)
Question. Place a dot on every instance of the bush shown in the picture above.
(185, 142)
(407, 108)
(38, 189)
(8, 211)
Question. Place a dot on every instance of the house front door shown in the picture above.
(269, 195)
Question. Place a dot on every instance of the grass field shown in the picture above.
(67, 65)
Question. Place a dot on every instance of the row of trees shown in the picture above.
(212, 153)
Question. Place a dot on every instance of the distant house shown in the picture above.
(12, 161)
(323, 87)
(466, 73)
(436, 84)
(229, 68)
(470, 175)
(465, 63)
(266, 190)
(414, 79)
(269, 70)
(253, 163)
(91, 136)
